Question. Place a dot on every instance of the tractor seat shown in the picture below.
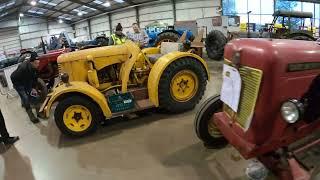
(166, 48)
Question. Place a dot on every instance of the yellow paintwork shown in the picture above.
(74, 124)
(102, 57)
(128, 65)
(184, 86)
(135, 69)
(83, 88)
(160, 66)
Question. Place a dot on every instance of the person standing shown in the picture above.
(118, 37)
(24, 78)
(5, 137)
(139, 37)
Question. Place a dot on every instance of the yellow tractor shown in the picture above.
(101, 83)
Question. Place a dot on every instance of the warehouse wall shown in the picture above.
(32, 29)
(9, 41)
(185, 10)
(192, 10)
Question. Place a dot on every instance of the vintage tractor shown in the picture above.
(48, 67)
(106, 82)
(269, 105)
(226, 28)
(159, 32)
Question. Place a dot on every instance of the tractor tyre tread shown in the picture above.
(215, 43)
(77, 100)
(174, 37)
(202, 118)
(166, 101)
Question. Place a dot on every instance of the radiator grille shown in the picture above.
(251, 80)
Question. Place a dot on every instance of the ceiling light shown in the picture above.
(11, 3)
(33, 2)
(80, 13)
(60, 21)
(107, 4)
(21, 14)
(98, 2)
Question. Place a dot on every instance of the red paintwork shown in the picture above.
(268, 131)
(51, 56)
(45, 59)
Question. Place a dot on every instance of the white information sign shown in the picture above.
(231, 87)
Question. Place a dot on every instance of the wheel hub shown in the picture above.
(77, 118)
(184, 86)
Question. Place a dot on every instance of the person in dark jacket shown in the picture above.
(24, 79)
(5, 138)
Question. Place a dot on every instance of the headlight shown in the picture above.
(292, 110)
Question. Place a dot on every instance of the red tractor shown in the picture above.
(269, 105)
(48, 68)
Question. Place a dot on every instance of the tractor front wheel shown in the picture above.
(182, 85)
(77, 116)
(167, 37)
(205, 128)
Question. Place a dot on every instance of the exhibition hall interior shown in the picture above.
(159, 89)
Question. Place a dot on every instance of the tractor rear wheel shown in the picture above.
(182, 85)
(215, 43)
(205, 129)
(302, 37)
(167, 37)
(77, 116)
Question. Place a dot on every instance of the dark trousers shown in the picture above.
(3, 130)
(24, 94)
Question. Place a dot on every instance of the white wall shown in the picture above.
(100, 26)
(192, 10)
(185, 10)
(32, 29)
(126, 18)
(9, 41)
(82, 31)
(161, 13)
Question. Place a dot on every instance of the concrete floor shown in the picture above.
(156, 146)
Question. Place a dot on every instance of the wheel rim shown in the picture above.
(77, 118)
(184, 86)
(214, 130)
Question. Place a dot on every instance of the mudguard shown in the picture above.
(159, 67)
(77, 88)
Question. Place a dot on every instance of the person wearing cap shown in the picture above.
(118, 37)
(139, 37)
(24, 78)
(4, 135)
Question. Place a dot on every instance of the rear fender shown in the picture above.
(77, 88)
(159, 67)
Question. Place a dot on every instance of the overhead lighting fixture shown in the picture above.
(98, 2)
(60, 21)
(80, 13)
(11, 3)
(107, 4)
(119, 1)
(36, 12)
(33, 2)
(21, 14)
(47, 3)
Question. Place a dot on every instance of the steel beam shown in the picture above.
(137, 15)
(88, 5)
(174, 10)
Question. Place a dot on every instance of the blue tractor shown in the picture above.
(159, 32)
